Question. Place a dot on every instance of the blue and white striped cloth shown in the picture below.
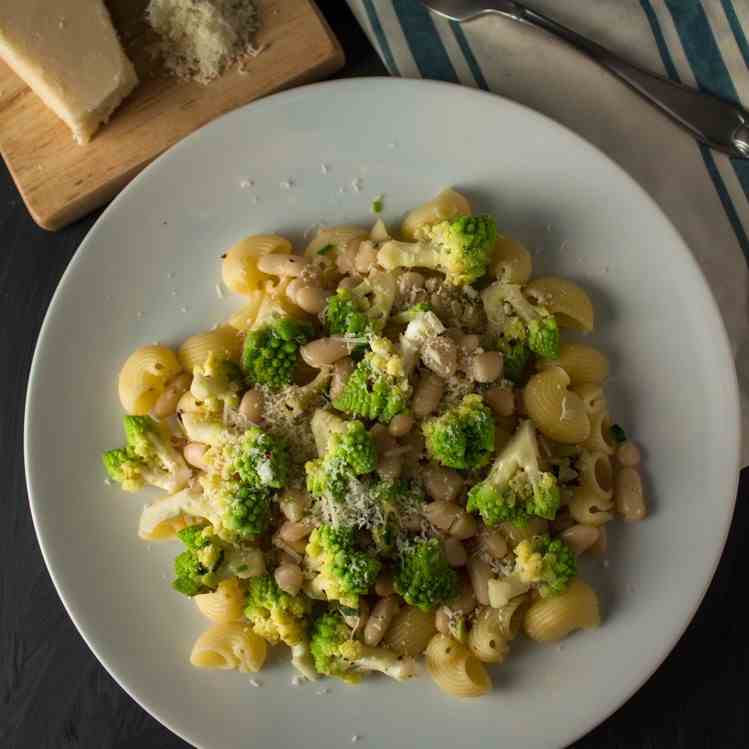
(703, 44)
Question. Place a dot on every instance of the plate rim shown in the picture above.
(722, 340)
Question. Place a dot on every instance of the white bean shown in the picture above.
(455, 552)
(494, 543)
(384, 585)
(379, 620)
(442, 484)
(194, 453)
(166, 403)
(252, 405)
(289, 578)
(401, 424)
(500, 400)
(630, 500)
(277, 264)
(440, 354)
(324, 351)
(427, 395)
(465, 601)
(342, 370)
(442, 621)
(390, 466)
(478, 571)
(580, 538)
(294, 530)
(487, 367)
(366, 257)
(464, 526)
(312, 299)
(293, 503)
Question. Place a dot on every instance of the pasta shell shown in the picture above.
(552, 619)
(239, 269)
(570, 304)
(229, 646)
(486, 639)
(410, 631)
(143, 377)
(339, 246)
(583, 364)
(558, 413)
(448, 204)
(224, 605)
(455, 669)
(511, 262)
(600, 439)
(244, 318)
(224, 342)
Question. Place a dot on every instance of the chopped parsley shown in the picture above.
(325, 250)
(377, 204)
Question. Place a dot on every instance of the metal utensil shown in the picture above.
(717, 123)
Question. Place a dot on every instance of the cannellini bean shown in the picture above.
(500, 400)
(455, 552)
(342, 370)
(410, 280)
(486, 367)
(379, 620)
(294, 530)
(442, 621)
(401, 424)
(390, 466)
(282, 265)
(324, 351)
(442, 484)
(252, 405)
(628, 454)
(366, 257)
(468, 342)
(580, 538)
(289, 578)
(494, 543)
(194, 453)
(451, 518)
(478, 571)
(293, 503)
(166, 403)
(630, 500)
(348, 283)
(464, 526)
(384, 585)
(311, 299)
(440, 354)
(427, 395)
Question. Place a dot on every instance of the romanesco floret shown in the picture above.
(423, 577)
(378, 389)
(344, 316)
(460, 248)
(274, 614)
(348, 453)
(549, 564)
(247, 510)
(463, 436)
(270, 353)
(394, 499)
(345, 572)
(516, 489)
(217, 382)
(195, 568)
(259, 459)
(147, 458)
(519, 321)
(337, 653)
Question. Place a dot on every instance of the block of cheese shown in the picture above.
(68, 52)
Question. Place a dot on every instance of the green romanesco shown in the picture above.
(548, 564)
(392, 500)
(274, 614)
(515, 488)
(147, 458)
(336, 653)
(345, 572)
(195, 568)
(217, 382)
(378, 389)
(270, 353)
(344, 315)
(460, 248)
(463, 436)
(423, 576)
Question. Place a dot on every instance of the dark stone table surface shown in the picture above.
(55, 695)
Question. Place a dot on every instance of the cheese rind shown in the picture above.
(68, 52)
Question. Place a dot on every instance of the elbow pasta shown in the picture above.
(144, 377)
(240, 266)
(455, 669)
(348, 416)
(229, 646)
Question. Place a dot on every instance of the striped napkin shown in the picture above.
(703, 44)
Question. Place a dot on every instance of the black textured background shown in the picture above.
(53, 692)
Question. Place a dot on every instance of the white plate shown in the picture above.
(147, 272)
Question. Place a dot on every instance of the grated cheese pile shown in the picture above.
(200, 39)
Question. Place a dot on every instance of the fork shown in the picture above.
(715, 122)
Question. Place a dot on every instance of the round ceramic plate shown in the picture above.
(148, 272)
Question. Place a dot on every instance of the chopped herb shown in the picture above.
(377, 204)
(325, 250)
(618, 433)
(242, 568)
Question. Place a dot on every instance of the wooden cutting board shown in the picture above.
(60, 181)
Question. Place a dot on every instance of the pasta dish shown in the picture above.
(390, 450)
